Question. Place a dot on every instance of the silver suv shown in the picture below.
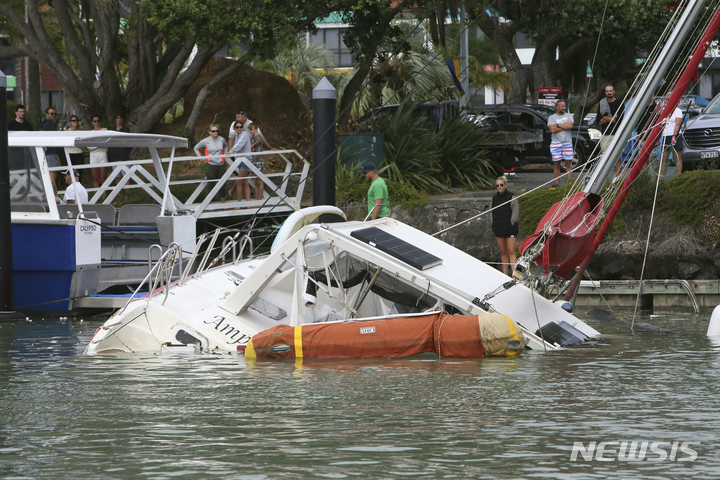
(701, 139)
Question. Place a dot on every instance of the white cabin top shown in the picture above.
(93, 138)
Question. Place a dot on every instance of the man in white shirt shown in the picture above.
(241, 117)
(75, 193)
(667, 142)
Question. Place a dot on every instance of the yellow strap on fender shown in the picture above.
(250, 351)
(298, 342)
(513, 335)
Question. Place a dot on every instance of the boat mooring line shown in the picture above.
(647, 247)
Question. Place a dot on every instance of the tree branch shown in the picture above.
(207, 89)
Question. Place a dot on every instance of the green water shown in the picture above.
(64, 415)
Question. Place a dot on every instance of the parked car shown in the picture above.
(523, 117)
(501, 150)
(434, 112)
(701, 139)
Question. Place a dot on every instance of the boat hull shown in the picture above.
(52, 263)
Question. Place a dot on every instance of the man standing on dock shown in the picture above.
(378, 197)
(19, 156)
(561, 147)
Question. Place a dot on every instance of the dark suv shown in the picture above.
(525, 117)
(701, 139)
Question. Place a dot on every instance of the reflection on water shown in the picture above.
(64, 415)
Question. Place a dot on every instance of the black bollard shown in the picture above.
(324, 97)
(7, 308)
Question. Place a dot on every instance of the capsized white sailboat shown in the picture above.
(330, 272)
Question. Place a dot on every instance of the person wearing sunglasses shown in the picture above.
(505, 215)
(52, 154)
(76, 154)
(212, 149)
(98, 156)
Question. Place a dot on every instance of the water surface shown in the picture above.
(65, 415)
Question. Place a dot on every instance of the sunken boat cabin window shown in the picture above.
(354, 275)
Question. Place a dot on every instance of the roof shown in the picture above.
(93, 138)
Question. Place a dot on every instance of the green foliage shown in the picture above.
(410, 151)
(462, 159)
(430, 160)
(301, 64)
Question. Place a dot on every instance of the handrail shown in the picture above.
(196, 252)
(226, 241)
(683, 283)
(285, 195)
(162, 261)
(208, 252)
(150, 250)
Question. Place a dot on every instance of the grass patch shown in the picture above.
(689, 197)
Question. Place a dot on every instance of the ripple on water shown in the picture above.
(64, 415)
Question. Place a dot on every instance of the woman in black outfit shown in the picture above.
(505, 214)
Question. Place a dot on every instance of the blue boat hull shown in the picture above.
(44, 263)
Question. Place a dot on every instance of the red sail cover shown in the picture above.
(571, 228)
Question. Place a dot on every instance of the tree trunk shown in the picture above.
(502, 36)
(189, 130)
(351, 90)
(33, 102)
(543, 66)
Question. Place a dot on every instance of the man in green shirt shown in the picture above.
(378, 198)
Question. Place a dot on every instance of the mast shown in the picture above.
(672, 102)
(635, 111)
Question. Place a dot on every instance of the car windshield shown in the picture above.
(714, 107)
(544, 111)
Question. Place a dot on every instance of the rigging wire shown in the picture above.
(647, 247)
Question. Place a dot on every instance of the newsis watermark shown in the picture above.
(640, 451)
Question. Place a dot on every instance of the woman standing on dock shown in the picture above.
(77, 157)
(213, 149)
(505, 214)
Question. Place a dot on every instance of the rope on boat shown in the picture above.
(647, 247)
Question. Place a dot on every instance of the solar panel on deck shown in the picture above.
(397, 248)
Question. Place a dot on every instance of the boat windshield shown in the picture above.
(26, 186)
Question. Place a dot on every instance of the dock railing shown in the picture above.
(192, 193)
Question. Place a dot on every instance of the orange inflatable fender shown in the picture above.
(466, 336)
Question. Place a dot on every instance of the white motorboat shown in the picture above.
(327, 272)
(70, 257)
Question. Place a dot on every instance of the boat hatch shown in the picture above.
(400, 249)
(268, 309)
(561, 333)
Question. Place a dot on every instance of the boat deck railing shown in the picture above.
(190, 193)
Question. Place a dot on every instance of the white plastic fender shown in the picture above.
(714, 327)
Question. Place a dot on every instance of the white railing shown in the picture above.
(283, 190)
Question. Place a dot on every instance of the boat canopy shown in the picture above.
(93, 138)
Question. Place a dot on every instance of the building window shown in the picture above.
(333, 41)
(55, 99)
(521, 41)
